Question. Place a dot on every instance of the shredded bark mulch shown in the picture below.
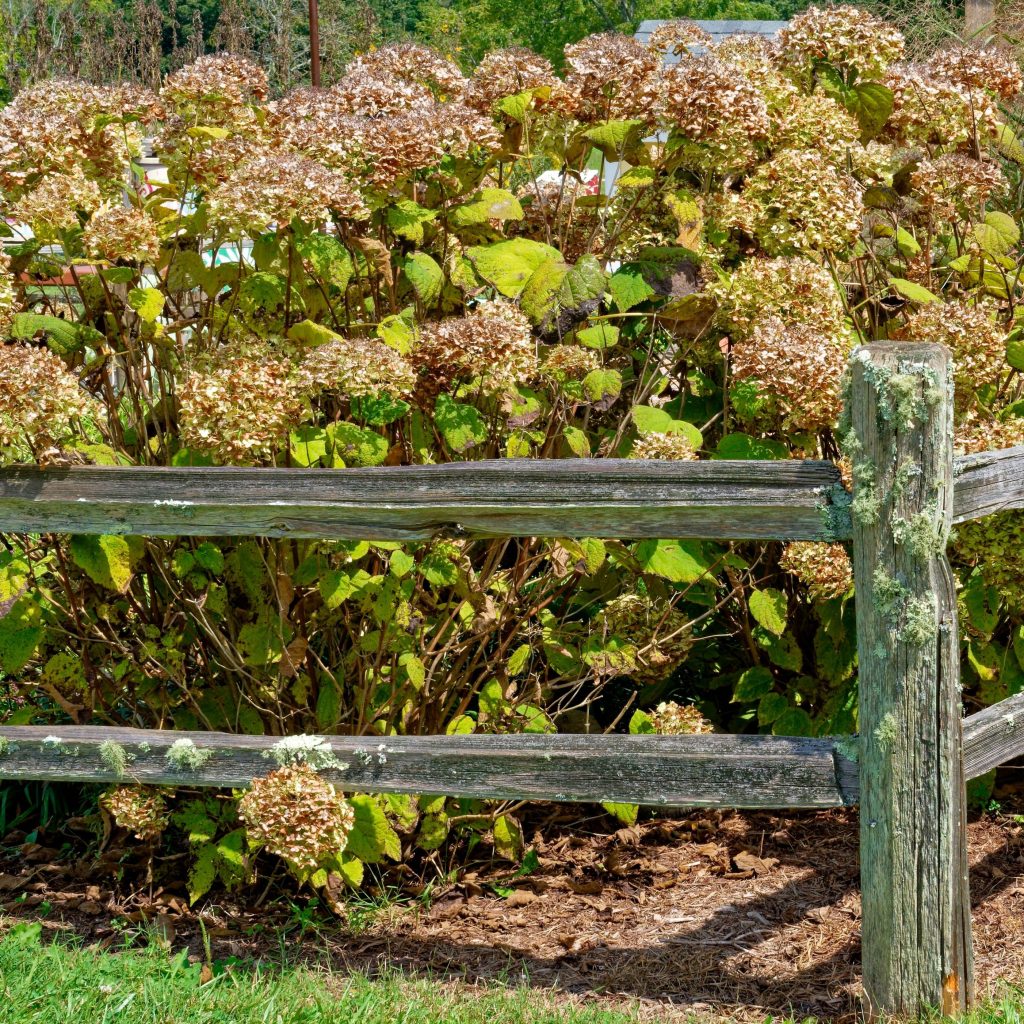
(730, 916)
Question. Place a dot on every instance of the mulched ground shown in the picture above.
(734, 916)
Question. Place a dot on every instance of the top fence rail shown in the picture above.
(620, 498)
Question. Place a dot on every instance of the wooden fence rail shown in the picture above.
(907, 768)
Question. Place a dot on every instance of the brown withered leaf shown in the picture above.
(746, 861)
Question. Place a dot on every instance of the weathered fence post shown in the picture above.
(916, 907)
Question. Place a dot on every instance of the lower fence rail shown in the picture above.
(766, 772)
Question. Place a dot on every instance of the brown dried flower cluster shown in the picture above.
(956, 183)
(240, 406)
(412, 62)
(658, 635)
(991, 69)
(669, 447)
(794, 289)
(843, 36)
(216, 79)
(612, 76)
(57, 126)
(930, 111)
(141, 810)
(824, 569)
(815, 121)
(986, 434)
(298, 816)
(569, 362)
(709, 103)
(364, 94)
(493, 343)
(276, 188)
(506, 73)
(40, 400)
(677, 37)
(8, 296)
(971, 332)
(822, 208)
(55, 203)
(796, 365)
(121, 234)
(672, 719)
(354, 367)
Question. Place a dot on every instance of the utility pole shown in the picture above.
(314, 42)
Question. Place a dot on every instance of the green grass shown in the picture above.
(64, 984)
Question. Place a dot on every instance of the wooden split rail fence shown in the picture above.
(907, 767)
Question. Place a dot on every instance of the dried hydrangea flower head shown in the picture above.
(708, 103)
(239, 406)
(296, 814)
(984, 433)
(798, 367)
(506, 73)
(668, 447)
(672, 719)
(397, 147)
(141, 810)
(823, 208)
(955, 184)
(974, 336)
(366, 94)
(121, 234)
(678, 37)
(57, 126)
(569, 363)
(612, 76)
(412, 62)
(936, 112)
(991, 69)
(276, 188)
(995, 544)
(845, 37)
(41, 402)
(221, 79)
(792, 288)
(659, 636)
(8, 296)
(354, 367)
(824, 569)
(57, 202)
(493, 344)
(815, 121)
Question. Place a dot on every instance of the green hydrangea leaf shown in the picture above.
(425, 276)
(358, 446)
(462, 426)
(105, 560)
(489, 204)
(407, 219)
(676, 560)
(602, 387)
(753, 684)
(372, 838)
(768, 607)
(510, 264)
(912, 290)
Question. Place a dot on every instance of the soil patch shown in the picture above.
(733, 916)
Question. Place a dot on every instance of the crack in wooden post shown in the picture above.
(916, 909)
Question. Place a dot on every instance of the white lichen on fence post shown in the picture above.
(916, 909)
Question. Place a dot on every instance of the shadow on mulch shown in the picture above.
(733, 916)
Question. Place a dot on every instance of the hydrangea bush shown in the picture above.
(414, 266)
